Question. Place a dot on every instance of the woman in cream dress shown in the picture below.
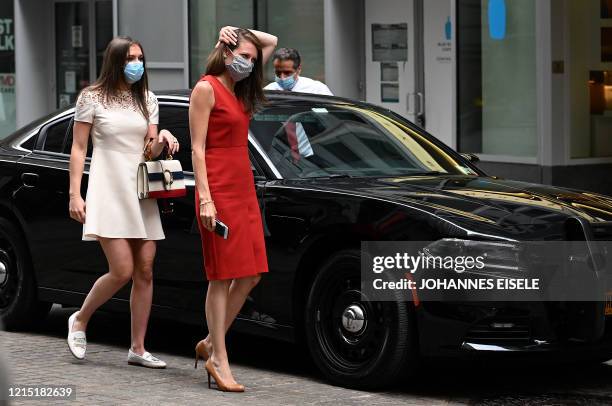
(121, 115)
(113, 209)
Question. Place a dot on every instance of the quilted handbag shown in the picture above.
(160, 179)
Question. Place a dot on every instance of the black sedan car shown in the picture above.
(329, 174)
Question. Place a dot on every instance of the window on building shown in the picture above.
(104, 30)
(7, 69)
(71, 50)
(590, 79)
(497, 99)
(78, 34)
(297, 24)
(305, 33)
(206, 17)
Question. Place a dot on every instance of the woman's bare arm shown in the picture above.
(78, 152)
(268, 41)
(160, 139)
(201, 103)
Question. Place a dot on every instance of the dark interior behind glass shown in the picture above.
(333, 140)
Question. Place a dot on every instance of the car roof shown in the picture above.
(275, 95)
(272, 95)
(279, 96)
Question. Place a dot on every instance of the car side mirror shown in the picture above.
(473, 158)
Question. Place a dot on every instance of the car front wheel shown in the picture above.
(355, 342)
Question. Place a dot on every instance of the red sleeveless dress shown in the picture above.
(232, 188)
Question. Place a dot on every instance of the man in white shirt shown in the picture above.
(287, 67)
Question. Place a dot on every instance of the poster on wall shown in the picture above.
(7, 69)
(389, 92)
(389, 72)
(389, 42)
(77, 36)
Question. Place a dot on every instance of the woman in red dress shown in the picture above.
(219, 112)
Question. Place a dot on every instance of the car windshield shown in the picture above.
(335, 140)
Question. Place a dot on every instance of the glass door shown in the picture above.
(82, 30)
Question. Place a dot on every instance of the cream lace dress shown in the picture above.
(112, 207)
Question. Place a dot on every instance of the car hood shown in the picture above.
(483, 199)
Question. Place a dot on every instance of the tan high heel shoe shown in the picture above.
(200, 352)
(221, 385)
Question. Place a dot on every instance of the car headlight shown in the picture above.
(494, 258)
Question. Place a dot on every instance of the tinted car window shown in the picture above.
(309, 141)
(176, 120)
(54, 136)
(30, 143)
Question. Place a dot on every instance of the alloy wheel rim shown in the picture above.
(3, 273)
(8, 276)
(351, 332)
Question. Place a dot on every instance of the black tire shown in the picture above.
(382, 350)
(19, 305)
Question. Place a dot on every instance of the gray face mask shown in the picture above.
(240, 68)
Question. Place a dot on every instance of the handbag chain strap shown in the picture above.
(147, 151)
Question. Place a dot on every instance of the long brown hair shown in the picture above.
(250, 90)
(111, 73)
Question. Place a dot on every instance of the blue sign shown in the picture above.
(497, 19)
(448, 29)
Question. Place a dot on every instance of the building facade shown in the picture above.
(524, 84)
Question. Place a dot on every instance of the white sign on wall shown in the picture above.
(77, 36)
(7, 37)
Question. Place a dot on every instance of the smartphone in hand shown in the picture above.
(221, 229)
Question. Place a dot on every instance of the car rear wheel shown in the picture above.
(19, 306)
(354, 342)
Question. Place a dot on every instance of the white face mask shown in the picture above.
(240, 68)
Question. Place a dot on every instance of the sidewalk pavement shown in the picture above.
(105, 378)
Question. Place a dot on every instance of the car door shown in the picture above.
(60, 258)
(179, 273)
(179, 270)
(283, 132)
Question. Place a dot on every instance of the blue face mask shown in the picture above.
(133, 71)
(286, 83)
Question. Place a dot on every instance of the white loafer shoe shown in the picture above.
(77, 341)
(145, 360)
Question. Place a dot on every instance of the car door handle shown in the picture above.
(29, 180)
